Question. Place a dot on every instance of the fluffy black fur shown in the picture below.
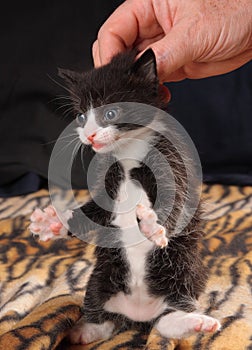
(176, 271)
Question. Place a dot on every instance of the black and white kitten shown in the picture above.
(157, 281)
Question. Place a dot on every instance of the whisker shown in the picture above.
(84, 149)
(63, 149)
(64, 106)
(75, 151)
(60, 97)
(59, 139)
(64, 87)
(68, 111)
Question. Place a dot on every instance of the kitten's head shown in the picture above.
(98, 95)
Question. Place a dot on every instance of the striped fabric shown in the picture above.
(42, 284)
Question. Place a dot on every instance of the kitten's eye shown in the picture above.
(81, 119)
(111, 114)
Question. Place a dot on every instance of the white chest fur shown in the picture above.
(129, 196)
(138, 305)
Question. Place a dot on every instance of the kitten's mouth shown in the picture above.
(97, 145)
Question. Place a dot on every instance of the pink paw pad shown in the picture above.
(149, 226)
(46, 224)
(207, 324)
(55, 227)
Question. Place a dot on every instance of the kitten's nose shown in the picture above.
(91, 137)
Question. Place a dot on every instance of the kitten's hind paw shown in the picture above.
(180, 324)
(85, 333)
(46, 225)
(149, 227)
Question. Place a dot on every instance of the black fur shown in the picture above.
(122, 80)
(175, 272)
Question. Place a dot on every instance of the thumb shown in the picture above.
(173, 52)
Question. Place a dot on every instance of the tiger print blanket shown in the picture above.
(42, 284)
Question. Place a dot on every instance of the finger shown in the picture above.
(178, 51)
(208, 69)
(172, 53)
(178, 75)
(116, 34)
(95, 53)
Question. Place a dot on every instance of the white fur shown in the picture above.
(130, 148)
(138, 305)
(106, 136)
(131, 152)
(42, 220)
(91, 127)
(85, 333)
(180, 324)
(129, 196)
(113, 140)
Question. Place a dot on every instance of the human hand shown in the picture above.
(191, 39)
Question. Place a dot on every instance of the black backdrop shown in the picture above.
(38, 37)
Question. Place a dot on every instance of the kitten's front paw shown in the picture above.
(85, 333)
(46, 224)
(149, 227)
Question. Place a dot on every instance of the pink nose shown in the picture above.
(91, 137)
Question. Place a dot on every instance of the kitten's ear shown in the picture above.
(69, 76)
(146, 66)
